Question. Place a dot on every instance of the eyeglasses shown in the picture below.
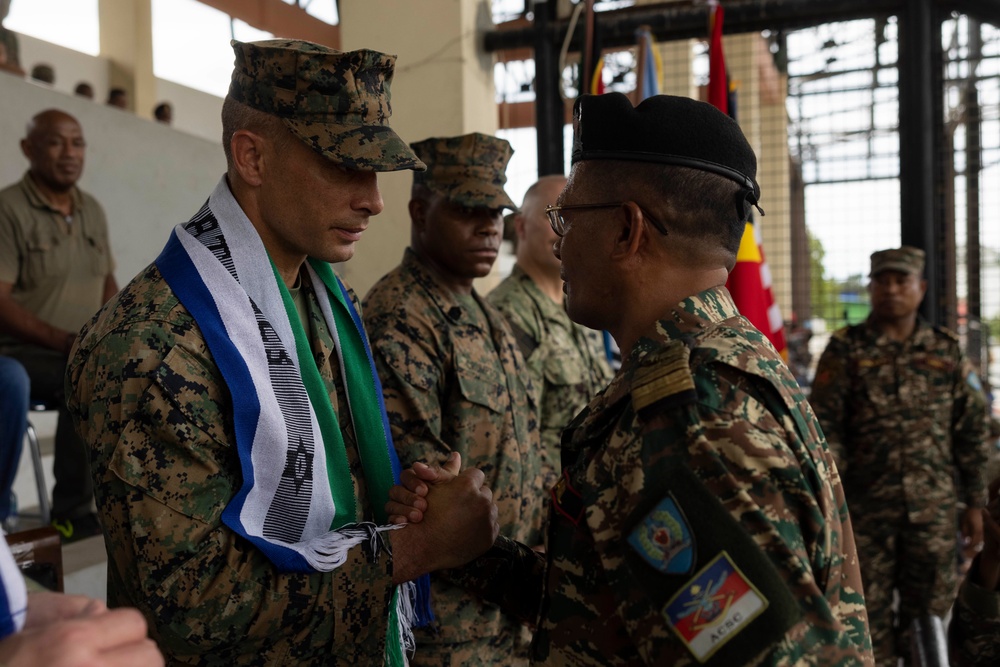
(558, 222)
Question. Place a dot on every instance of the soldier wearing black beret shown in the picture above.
(699, 518)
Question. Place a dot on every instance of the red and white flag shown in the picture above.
(750, 280)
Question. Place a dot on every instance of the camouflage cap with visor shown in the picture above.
(469, 170)
(336, 102)
(906, 259)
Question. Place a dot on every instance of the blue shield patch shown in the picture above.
(663, 538)
(973, 381)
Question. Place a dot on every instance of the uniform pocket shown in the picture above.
(174, 448)
(38, 262)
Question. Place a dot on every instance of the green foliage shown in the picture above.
(839, 302)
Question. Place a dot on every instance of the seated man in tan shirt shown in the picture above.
(56, 271)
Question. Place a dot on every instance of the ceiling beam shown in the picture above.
(689, 20)
(280, 19)
(672, 20)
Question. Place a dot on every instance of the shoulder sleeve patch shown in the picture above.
(714, 607)
(664, 380)
(663, 539)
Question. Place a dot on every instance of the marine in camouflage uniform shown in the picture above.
(153, 406)
(150, 399)
(454, 379)
(700, 518)
(566, 361)
(906, 420)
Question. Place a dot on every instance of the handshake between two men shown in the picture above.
(461, 526)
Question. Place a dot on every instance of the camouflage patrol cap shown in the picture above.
(336, 102)
(666, 129)
(469, 170)
(906, 259)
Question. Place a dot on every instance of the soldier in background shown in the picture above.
(905, 416)
(699, 519)
(566, 361)
(228, 396)
(453, 377)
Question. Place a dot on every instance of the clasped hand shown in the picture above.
(451, 509)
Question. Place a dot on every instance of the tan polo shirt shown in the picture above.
(57, 266)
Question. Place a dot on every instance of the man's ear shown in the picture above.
(248, 156)
(26, 148)
(418, 213)
(632, 231)
(923, 288)
(519, 225)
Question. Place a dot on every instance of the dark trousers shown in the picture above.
(74, 488)
(14, 386)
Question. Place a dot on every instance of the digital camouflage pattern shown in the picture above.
(907, 424)
(566, 361)
(974, 631)
(454, 380)
(152, 405)
(703, 413)
(337, 103)
(469, 170)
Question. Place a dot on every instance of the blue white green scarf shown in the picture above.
(13, 593)
(297, 502)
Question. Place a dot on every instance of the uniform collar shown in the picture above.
(38, 200)
(688, 319)
(547, 305)
(438, 292)
(923, 334)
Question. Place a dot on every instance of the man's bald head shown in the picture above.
(543, 192)
(534, 235)
(55, 147)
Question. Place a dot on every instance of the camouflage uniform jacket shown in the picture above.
(699, 519)
(151, 403)
(903, 418)
(449, 385)
(566, 361)
(974, 631)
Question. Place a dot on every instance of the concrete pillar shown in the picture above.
(443, 86)
(127, 42)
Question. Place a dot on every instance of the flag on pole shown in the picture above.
(652, 65)
(592, 61)
(597, 81)
(718, 77)
(750, 280)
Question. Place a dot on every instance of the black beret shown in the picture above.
(665, 129)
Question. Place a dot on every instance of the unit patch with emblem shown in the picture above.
(663, 539)
(715, 606)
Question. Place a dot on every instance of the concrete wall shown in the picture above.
(71, 66)
(195, 112)
(443, 86)
(147, 177)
